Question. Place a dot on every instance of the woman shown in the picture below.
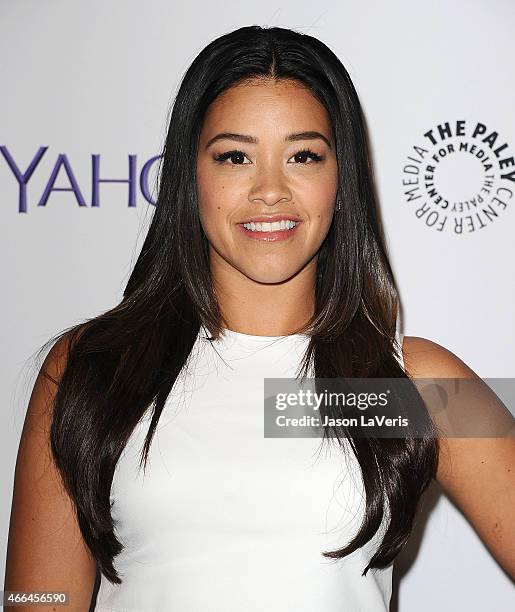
(264, 254)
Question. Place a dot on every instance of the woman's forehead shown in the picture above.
(275, 106)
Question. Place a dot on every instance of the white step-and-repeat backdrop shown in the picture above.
(86, 90)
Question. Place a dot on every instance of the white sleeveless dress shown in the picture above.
(225, 520)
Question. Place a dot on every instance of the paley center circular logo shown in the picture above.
(459, 177)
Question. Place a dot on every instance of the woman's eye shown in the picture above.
(234, 156)
(301, 156)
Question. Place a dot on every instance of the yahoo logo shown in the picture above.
(62, 161)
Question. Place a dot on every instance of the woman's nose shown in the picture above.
(270, 186)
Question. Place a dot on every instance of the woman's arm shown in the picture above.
(477, 473)
(45, 551)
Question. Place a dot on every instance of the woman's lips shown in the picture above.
(269, 236)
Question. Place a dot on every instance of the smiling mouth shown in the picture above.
(276, 226)
(269, 232)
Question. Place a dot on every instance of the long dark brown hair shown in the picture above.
(125, 361)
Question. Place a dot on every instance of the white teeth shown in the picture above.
(277, 226)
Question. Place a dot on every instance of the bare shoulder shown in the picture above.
(477, 473)
(424, 358)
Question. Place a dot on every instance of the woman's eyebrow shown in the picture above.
(309, 135)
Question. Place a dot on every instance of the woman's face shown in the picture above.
(267, 151)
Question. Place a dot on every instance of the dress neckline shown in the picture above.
(234, 334)
(231, 334)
